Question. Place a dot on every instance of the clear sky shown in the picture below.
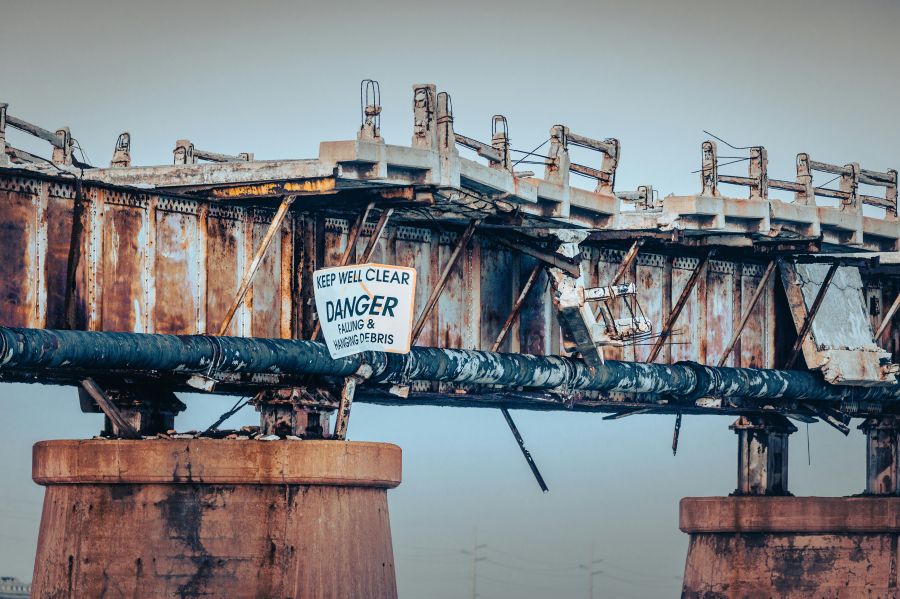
(275, 78)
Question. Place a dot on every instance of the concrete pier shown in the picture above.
(791, 547)
(215, 518)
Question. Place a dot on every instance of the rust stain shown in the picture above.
(59, 233)
(496, 294)
(222, 271)
(123, 274)
(320, 185)
(266, 309)
(16, 277)
(753, 338)
(719, 315)
(177, 304)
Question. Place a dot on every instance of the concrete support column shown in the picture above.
(791, 547)
(762, 454)
(230, 518)
(882, 446)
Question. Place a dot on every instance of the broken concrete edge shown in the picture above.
(210, 461)
(796, 515)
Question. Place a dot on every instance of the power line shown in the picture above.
(475, 559)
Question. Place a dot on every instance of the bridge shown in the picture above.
(770, 300)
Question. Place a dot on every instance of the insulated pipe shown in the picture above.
(79, 351)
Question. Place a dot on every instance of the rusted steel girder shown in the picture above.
(679, 305)
(442, 280)
(59, 352)
(757, 293)
(247, 279)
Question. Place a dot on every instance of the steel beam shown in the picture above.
(746, 316)
(376, 234)
(682, 300)
(517, 306)
(352, 236)
(247, 280)
(513, 315)
(442, 280)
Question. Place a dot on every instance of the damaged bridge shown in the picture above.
(135, 282)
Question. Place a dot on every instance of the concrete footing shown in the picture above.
(215, 518)
(767, 547)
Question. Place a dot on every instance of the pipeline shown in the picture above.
(58, 351)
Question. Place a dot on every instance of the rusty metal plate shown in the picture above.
(753, 340)
(498, 275)
(685, 345)
(18, 276)
(59, 235)
(720, 307)
(177, 273)
(224, 265)
(266, 288)
(125, 242)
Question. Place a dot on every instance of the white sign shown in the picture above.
(365, 307)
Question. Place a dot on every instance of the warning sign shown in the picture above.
(365, 307)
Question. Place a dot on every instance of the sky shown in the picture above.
(275, 78)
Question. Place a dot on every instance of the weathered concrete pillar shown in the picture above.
(810, 547)
(882, 446)
(215, 518)
(762, 454)
(756, 544)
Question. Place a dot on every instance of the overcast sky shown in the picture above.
(275, 78)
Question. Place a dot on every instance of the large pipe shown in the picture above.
(58, 351)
